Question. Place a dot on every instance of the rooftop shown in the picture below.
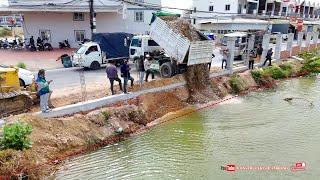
(58, 5)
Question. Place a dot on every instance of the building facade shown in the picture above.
(70, 20)
(284, 16)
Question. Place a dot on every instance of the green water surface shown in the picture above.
(260, 129)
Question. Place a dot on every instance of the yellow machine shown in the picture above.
(12, 99)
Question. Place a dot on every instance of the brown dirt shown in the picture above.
(160, 104)
(198, 84)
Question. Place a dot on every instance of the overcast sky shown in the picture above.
(185, 4)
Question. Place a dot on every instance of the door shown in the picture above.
(93, 54)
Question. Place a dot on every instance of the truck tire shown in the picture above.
(95, 65)
(166, 70)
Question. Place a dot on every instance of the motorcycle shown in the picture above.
(47, 47)
(40, 46)
(31, 47)
(64, 44)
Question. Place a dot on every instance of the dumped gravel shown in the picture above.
(197, 76)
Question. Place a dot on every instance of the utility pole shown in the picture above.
(93, 22)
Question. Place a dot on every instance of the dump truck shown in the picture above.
(179, 51)
(12, 99)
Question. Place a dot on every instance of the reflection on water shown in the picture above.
(259, 130)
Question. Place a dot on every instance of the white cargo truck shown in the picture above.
(180, 52)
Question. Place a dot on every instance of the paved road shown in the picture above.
(70, 77)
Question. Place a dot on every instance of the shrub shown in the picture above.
(235, 84)
(257, 75)
(15, 136)
(4, 32)
(22, 65)
(287, 69)
(308, 55)
(275, 72)
(106, 116)
(311, 66)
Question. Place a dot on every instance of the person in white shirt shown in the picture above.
(147, 66)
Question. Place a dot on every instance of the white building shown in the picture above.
(223, 16)
(70, 19)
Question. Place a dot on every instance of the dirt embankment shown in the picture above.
(57, 139)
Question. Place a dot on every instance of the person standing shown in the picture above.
(259, 52)
(268, 57)
(141, 69)
(43, 91)
(251, 59)
(112, 74)
(224, 59)
(147, 66)
(125, 73)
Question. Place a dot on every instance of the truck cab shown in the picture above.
(142, 44)
(89, 55)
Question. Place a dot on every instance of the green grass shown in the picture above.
(15, 136)
(22, 65)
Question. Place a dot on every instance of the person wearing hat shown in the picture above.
(43, 91)
(147, 67)
(125, 74)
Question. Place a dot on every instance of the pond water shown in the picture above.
(260, 129)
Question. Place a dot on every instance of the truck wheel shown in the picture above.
(22, 83)
(95, 65)
(166, 70)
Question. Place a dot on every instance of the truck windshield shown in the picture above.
(81, 50)
(136, 42)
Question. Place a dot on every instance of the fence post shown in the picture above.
(265, 46)
(231, 48)
(290, 43)
(277, 51)
(300, 37)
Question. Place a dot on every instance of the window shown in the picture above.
(45, 34)
(78, 16)
(227, 7)
(138, 16)
(152, 43)
(79, 35)
(211, 8)
(136, 42)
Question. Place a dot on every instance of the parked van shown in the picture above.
(241, 43)
(142, 44)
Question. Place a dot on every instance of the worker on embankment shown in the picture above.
(224, 59)
(125, 74)
(268, 57)
(112, 74)
(251, 59)
(43, 91)
(259, 52)
(147, 66)
(140, 69)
